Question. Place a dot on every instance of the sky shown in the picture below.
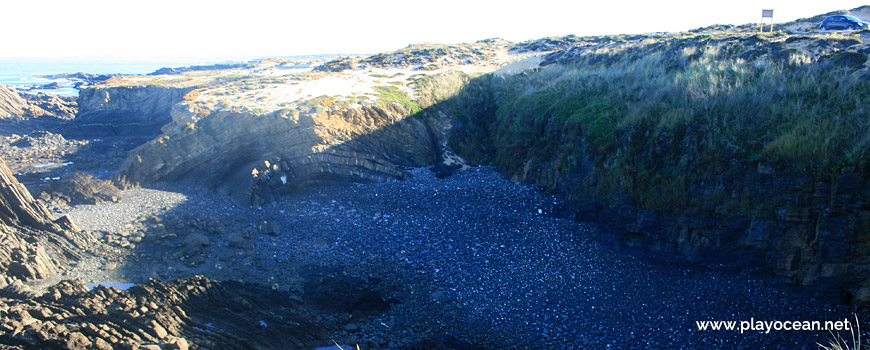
(161, 29)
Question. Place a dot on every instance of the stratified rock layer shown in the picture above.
(29, 234)
(255, 156)
(658, 172)
(80, 188)
(192, 313)
(13, 104)
(123, 111)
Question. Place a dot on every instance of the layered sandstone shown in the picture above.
(33, 246)
(254, 156)
(193, 313)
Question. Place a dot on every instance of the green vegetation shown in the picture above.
(659, 117)
(432, 89)
(391, 94)
(837, 342)
(328, 102)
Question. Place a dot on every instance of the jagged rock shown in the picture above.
(30, 105)
(53, 105)
(80, 188)
(18, 290)
(178, 344)
(11, 104)
(188, 313)
(29, 233)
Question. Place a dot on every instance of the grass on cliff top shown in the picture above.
(662, 116)
(392, 94)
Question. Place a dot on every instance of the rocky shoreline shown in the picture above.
(441, 256)
(261, 206)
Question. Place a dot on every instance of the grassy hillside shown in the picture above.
(662, 114)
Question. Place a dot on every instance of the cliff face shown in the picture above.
(741, 150)
(256, 156)
(817, 236)
(124, 110)
(29, 234)
(259, 131)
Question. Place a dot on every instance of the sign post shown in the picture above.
(766, 14)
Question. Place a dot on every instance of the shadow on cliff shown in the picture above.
(255, 157)
(223, 235)
(708, 174)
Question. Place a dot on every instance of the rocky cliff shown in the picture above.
(731, 148)
(256, 156)
(744, 150)
(123, 110)
(258, 131)
(33, 245)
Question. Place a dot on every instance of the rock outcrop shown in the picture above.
(33, 246)
(123, 111)
(192, 313)
(80, 188)
(256, 156)
(13, 104)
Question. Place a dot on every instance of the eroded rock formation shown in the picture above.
(13, 104)
(192, 313)
(32, 245)
(79, 188)
(123, 111)
(255, 156)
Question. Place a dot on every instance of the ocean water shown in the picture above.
(25, 73)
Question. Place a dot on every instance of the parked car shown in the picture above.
(843, 22)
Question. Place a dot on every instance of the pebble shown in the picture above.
(473, 255)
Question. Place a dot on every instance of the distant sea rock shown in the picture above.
(179, 70)
(49, 86)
